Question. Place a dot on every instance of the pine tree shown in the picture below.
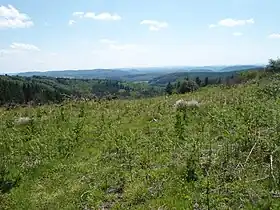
(178, 84)
(206, 81)
(169, 88)
(198, 81)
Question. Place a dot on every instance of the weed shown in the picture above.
(223, 154)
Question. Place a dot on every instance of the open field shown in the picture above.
(143, 154)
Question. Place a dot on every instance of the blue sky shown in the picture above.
(86, 34)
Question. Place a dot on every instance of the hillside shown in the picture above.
(143, 154)
(38, 89)
(42, 89)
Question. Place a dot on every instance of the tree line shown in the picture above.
(189, 84)
(41, 90)
(193, 84)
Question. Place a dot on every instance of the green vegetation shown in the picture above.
(36, 89)
(187, 86)
(212, 77)
(145, 154)
(45, 89)
(190, 84)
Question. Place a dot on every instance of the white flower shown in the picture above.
(182, 104)
(193, 103)
(22, 121)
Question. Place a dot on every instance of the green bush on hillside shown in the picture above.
(273, 65)
(187, 86)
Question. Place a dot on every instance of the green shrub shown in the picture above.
(187, 86)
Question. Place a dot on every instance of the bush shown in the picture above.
(271, 89)
(273, 65)
(187, 86)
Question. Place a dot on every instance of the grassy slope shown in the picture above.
(111, 154)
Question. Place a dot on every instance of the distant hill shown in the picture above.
(198, 70)
(96, 73)
(240, 67)
(136, 74)
(173, 77)
(111, 74)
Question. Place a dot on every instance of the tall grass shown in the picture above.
(223, 154)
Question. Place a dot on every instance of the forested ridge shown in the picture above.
(40, 89)
(45, 89)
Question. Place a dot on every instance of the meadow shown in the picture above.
(145, 154)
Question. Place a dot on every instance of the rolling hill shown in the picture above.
(240, 68)
(135, 74)
(173, 77)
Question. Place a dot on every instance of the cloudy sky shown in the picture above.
(86, 34)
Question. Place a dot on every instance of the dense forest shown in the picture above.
(38, 89)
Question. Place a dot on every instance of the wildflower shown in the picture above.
(23, 121)
(193, 103)
(182, 104)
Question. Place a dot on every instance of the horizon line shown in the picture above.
(135, 68)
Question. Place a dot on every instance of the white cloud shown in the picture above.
(237, 34)
(78, 14)
(229, 22)
(10, 17)
(21, 46)
(4, 52)
(18, 49)
(154, 25)
(102, 16)
(71, 22)
(274, 36)
(88, 15)
(107, 41)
